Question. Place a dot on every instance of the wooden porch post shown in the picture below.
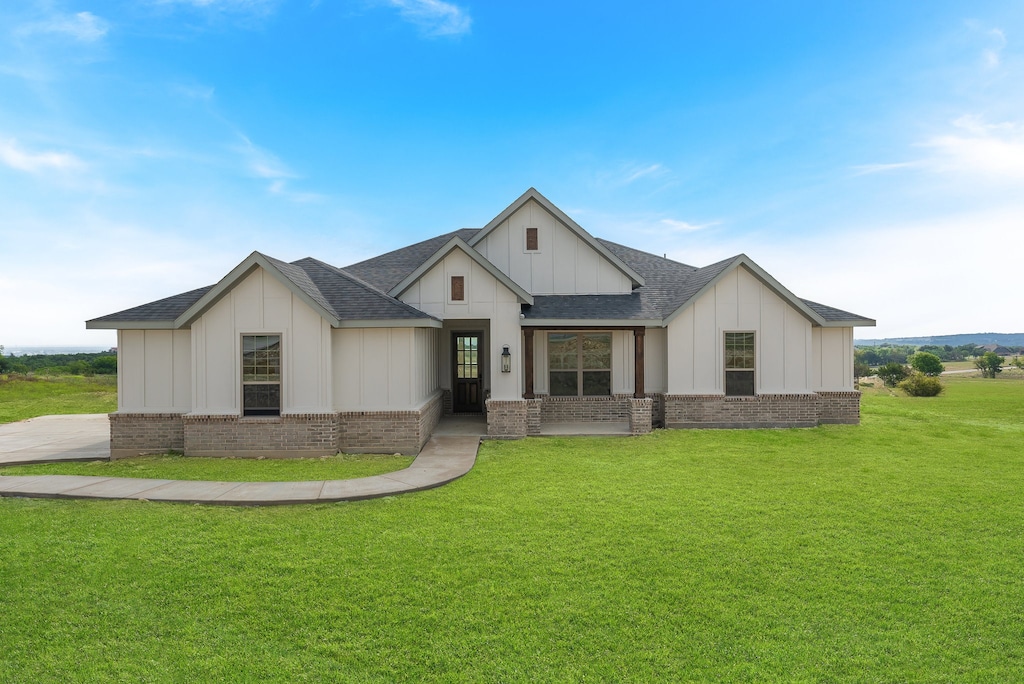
(638, 362)
(528, 362)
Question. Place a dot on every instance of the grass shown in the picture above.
(891, 551)
(173, 467)
(24, 397)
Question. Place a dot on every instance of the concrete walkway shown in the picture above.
(443, 459)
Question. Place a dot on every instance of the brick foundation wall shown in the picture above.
(585, 409)
(533, 416)
(446, 402)
(839, 407)
(430, 416)
(507, 419)
(640, 415)
(305, 434)
(132, 434)
(657, 410)
(373, 432)
(764, 410)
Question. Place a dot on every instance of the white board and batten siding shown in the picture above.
(261, 305)
(563, 264)
(154, 371)
(384, 369)
(784, 340)
(485, 298)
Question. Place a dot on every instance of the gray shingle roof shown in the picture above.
(359, 291)
(166, 309)
(830, 313)
(387, 270)
(352, 299)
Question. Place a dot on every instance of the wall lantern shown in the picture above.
(506, 360)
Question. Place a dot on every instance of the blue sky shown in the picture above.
(870, 155)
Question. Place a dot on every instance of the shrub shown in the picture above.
(921, 385)
(927, 363)
(892, 373)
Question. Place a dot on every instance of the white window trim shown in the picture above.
(756, 368)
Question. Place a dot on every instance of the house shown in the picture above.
(529, 320)
(995, 349)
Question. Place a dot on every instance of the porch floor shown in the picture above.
(602, 428)
(462, 425)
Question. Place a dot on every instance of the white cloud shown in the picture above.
(980, 149)
(85, 27)
(971, 148)
(868, 169)
(434, 17)
(36, 162)
(991, 56)
(635, 173)
(261, 163)
(675, 226)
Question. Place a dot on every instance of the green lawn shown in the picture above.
(172, 467)
(22, 398)
(893, 551)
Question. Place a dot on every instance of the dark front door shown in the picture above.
(467, 392)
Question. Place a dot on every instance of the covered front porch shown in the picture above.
(577, 380)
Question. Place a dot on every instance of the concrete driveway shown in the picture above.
(55, 438)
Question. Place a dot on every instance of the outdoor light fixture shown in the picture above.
(506, 360)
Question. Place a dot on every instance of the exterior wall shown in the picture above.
(132, 434)
(486, 299)
(402, 432)
(154, 371)
(260, 304)
(839, 408)
(295, 435)
(833, 359)
(564, 264)
(584, 409)
(510, 419)
(764, 410)
(655, 360)
(740, 302)
(383, 369)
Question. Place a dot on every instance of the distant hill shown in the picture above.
(1005, 339)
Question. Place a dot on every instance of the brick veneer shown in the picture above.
(763, 410)
(132, 434)
(403, 432)
(290, 435)
(585, 409)
(640, 415)
(839, 407)
(507, 419)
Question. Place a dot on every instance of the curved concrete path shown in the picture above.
(443, 459)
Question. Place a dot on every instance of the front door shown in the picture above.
(467, 392)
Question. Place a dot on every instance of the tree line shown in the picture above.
(101, 363)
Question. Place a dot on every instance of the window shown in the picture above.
(532, 241)
(580, 364)
(261, 375)
(739, 364)
(458, 288)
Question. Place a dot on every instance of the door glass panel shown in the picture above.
(467, 364)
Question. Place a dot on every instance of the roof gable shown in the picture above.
(562, 218)
(706, 278)
(460, 244)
